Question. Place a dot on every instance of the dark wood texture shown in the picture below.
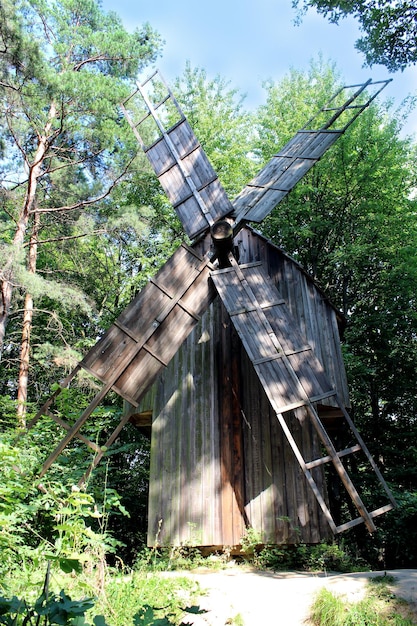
(311, 312)
(188, 179)
(289, 371)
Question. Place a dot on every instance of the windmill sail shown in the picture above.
(290, 374)
(290, 164)
(178, 159)
(143, 339)
(150, 330)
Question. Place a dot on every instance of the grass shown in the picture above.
(151, 593)
(379, 608)
(122, 598)
(125, 596)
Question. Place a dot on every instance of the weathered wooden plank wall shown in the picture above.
(191, 490)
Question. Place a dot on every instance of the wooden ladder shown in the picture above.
(296, 369)
(334, 456)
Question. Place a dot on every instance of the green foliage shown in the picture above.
(67, 68)
(148, 597)
(393, 545)
(225, 130)
(378, 608)
(172, 558)
(134, 598)
(389, 28)
(75, 540)
(319, 557)
(18, 504)
(51, 608)
(57, 522)
(68, 528)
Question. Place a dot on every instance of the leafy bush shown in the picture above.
(319, 557)
(53, 609)
(146, 596)
(394, 543)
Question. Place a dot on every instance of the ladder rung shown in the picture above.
(142, 119)
(267, 305)
(328, 458)
(149, 114)
(151, 77)
(279, 355)
(360, 520)
(161, 102)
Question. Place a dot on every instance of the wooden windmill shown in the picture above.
(249, 400)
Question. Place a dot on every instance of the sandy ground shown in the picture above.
(280, 599)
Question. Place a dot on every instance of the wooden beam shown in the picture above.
(328, 459)
(75, 428)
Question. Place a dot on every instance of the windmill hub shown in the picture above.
(222, 237)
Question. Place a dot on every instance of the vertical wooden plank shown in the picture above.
(253, 451)
(232, 491)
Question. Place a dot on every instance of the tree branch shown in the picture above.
(100, 57)
(85, 203)
(94, 232)
(8, 86)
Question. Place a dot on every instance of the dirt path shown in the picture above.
(246, 597)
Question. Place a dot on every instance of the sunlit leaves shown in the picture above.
(389, 28)
(225, 130)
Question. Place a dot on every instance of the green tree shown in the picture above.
(67, 144)
(221, 124)
(389, 28)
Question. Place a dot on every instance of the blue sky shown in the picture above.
(249, 41)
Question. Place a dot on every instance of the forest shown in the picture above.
(84, 225)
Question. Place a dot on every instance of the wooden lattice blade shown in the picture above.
(179, 161)
(150, 330)
(189, 180)
(279, 176)
(260, 327)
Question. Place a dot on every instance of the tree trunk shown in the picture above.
(22, 389)
(35, 171)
